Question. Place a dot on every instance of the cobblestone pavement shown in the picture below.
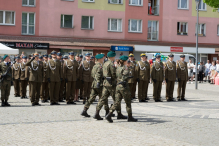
(195, 122)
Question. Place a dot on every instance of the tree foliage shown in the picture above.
(212, 3)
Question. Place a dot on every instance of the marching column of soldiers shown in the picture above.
(56, 78)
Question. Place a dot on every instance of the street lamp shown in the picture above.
(196, 62)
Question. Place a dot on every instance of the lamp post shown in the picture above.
(196, 62)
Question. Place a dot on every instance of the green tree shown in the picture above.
(212, 3)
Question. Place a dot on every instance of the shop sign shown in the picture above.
(121, 48)
(176, 49)
(24, 45)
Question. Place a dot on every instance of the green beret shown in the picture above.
(99, 56)
(5, 57)
(124, 58)
(111, 54)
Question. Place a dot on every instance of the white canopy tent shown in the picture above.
(7, 50)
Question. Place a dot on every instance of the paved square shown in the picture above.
(195, 122)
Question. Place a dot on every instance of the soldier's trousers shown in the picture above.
(16, 87)
(23, 88)
(126, 95)
(157, 90)
(54, 91)
(142, 90)
(181, 89)
(169, 89)
(5, 90)
(35, 91)
(133, 90)
(87, 89)
(29, 90)
(130, 87)
(44, 91)
(70, 91)
(107, 91)
(81, 90)
(61, 92)
(95, 92)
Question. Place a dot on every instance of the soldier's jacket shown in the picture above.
(143, 70)
(15, 70)
(122, 74)
(86, 69)
(54, 70)
(97, 74)
(35, 70)
(70, 70)
(109, 70)
(157, 71)
(182, 70)
(27, 72)
(22, 71)
(170, 71)
(3, 69)
(132, 72)
(45, 65)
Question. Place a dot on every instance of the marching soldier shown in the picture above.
(15, 77)
(44, 91)
(109, 85)
(157, 75)
(143, 78)
(6, 77)
(97, 84)
(78, 83)
(54, 75)
(122, 90)
(71, 75)
(27, 75)
(86, 68)
(182, 74)
(133, 64)
(36, 78)
(81, 87)
(23, 81)
(170, 77)
(62, 85)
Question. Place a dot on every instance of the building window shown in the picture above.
(202, 6)
(66, 21)
(182, 28)
(183, 4)
(115, 25)
(28, 23)
(135, 25)
(218, 30)
(29, 3)
(87, 22)
(7, 18)
(201, 29)
(67, 0)
(152, 30)
(153, 7)
(136, 2)
(87, 0)
(115, 1)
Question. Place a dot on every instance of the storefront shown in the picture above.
(122, 50)
(28, 48)
(202, 52)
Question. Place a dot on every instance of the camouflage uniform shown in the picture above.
(109, 84)
(97, 74)
(122, 90)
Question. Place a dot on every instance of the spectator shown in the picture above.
(190, 66)
(201, 70)
(213, 72)
(207, 69)
(194, 71)
(217, 66)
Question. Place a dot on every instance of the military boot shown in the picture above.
(6, 103)
(3, 103)
(109, 117)
(84, 112)
(107, 112)
(97, 115)
(131, 119)
(121, 116)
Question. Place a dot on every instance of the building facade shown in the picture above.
(96, 26)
